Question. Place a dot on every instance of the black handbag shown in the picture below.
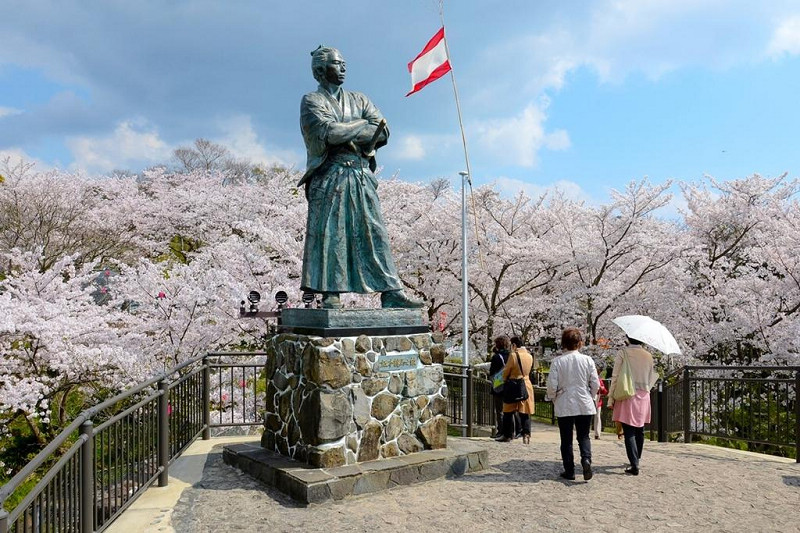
(515, 390)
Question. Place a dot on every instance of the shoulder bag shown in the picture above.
(625, 388)
(515, 390)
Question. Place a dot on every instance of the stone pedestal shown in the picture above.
(334, 401)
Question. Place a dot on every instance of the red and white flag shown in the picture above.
(431, 64)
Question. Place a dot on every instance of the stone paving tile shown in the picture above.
(687, 487)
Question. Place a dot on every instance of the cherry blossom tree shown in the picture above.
(424, 226)
(107, 281)
(58, 214)
(514, 263)
(55, 340)
(616, 250)
(742, 296)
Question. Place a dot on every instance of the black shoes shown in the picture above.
(567, 475)
(632, 471)
(587, 470)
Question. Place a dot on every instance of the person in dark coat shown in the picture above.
(500, 353)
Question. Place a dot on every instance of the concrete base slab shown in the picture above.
(307, 484)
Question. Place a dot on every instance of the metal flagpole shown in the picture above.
(466, 177)
(464, 301)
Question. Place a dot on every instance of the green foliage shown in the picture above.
(25, 438)
(18, 448)
(768, 449)
(453, 431)
(21, 491)
(179, 249)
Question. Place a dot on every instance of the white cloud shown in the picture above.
(511, 187)
(410, 147)
(8, 111)
(241, 139)
(517, 140)
(130, 145)
(615, 38)
(660, 36)
(15, 159)
(136, 144)
(786, 38)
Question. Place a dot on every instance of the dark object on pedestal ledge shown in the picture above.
(352, 322)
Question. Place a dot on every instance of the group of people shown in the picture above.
(515, 362)
(575, 388)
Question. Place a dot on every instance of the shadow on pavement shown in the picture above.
(792, 481)
(526, 471)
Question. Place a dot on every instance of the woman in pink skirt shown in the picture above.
(634, 412)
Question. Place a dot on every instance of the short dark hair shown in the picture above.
(516, 341)
(502, 343)
(571, 339)
(634, 341)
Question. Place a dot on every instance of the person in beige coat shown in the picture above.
(633, 412)
(519, 365)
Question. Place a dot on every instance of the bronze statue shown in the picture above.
(347, 246)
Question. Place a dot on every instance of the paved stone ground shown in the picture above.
(687, 487)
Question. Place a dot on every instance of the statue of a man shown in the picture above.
(347, 246)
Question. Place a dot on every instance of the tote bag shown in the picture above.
(497, 378)
(498, 382)
(625, 388)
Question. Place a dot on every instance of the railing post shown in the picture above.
(687, 419)
(470, 399)
(662, 433)
(206, 398)
(797, 416)
(163, 433)
(3, 520)
(87, 501)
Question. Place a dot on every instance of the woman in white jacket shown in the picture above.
(572, 384)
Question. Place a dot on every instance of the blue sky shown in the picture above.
(582, 95)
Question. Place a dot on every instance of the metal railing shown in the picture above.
(756, 405)
(759, 406)
(458, 378)
(112, 452)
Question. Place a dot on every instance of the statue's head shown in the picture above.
(327, 64)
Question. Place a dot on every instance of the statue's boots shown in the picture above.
(331, 300)
(399, 299)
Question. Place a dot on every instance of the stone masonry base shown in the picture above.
(307, 484)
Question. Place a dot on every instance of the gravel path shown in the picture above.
(693, 487)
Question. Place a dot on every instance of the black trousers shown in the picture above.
(634, 442)
(516, 423)
(582, 424)
(498, 416)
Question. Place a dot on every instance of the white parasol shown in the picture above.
(651, 332)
